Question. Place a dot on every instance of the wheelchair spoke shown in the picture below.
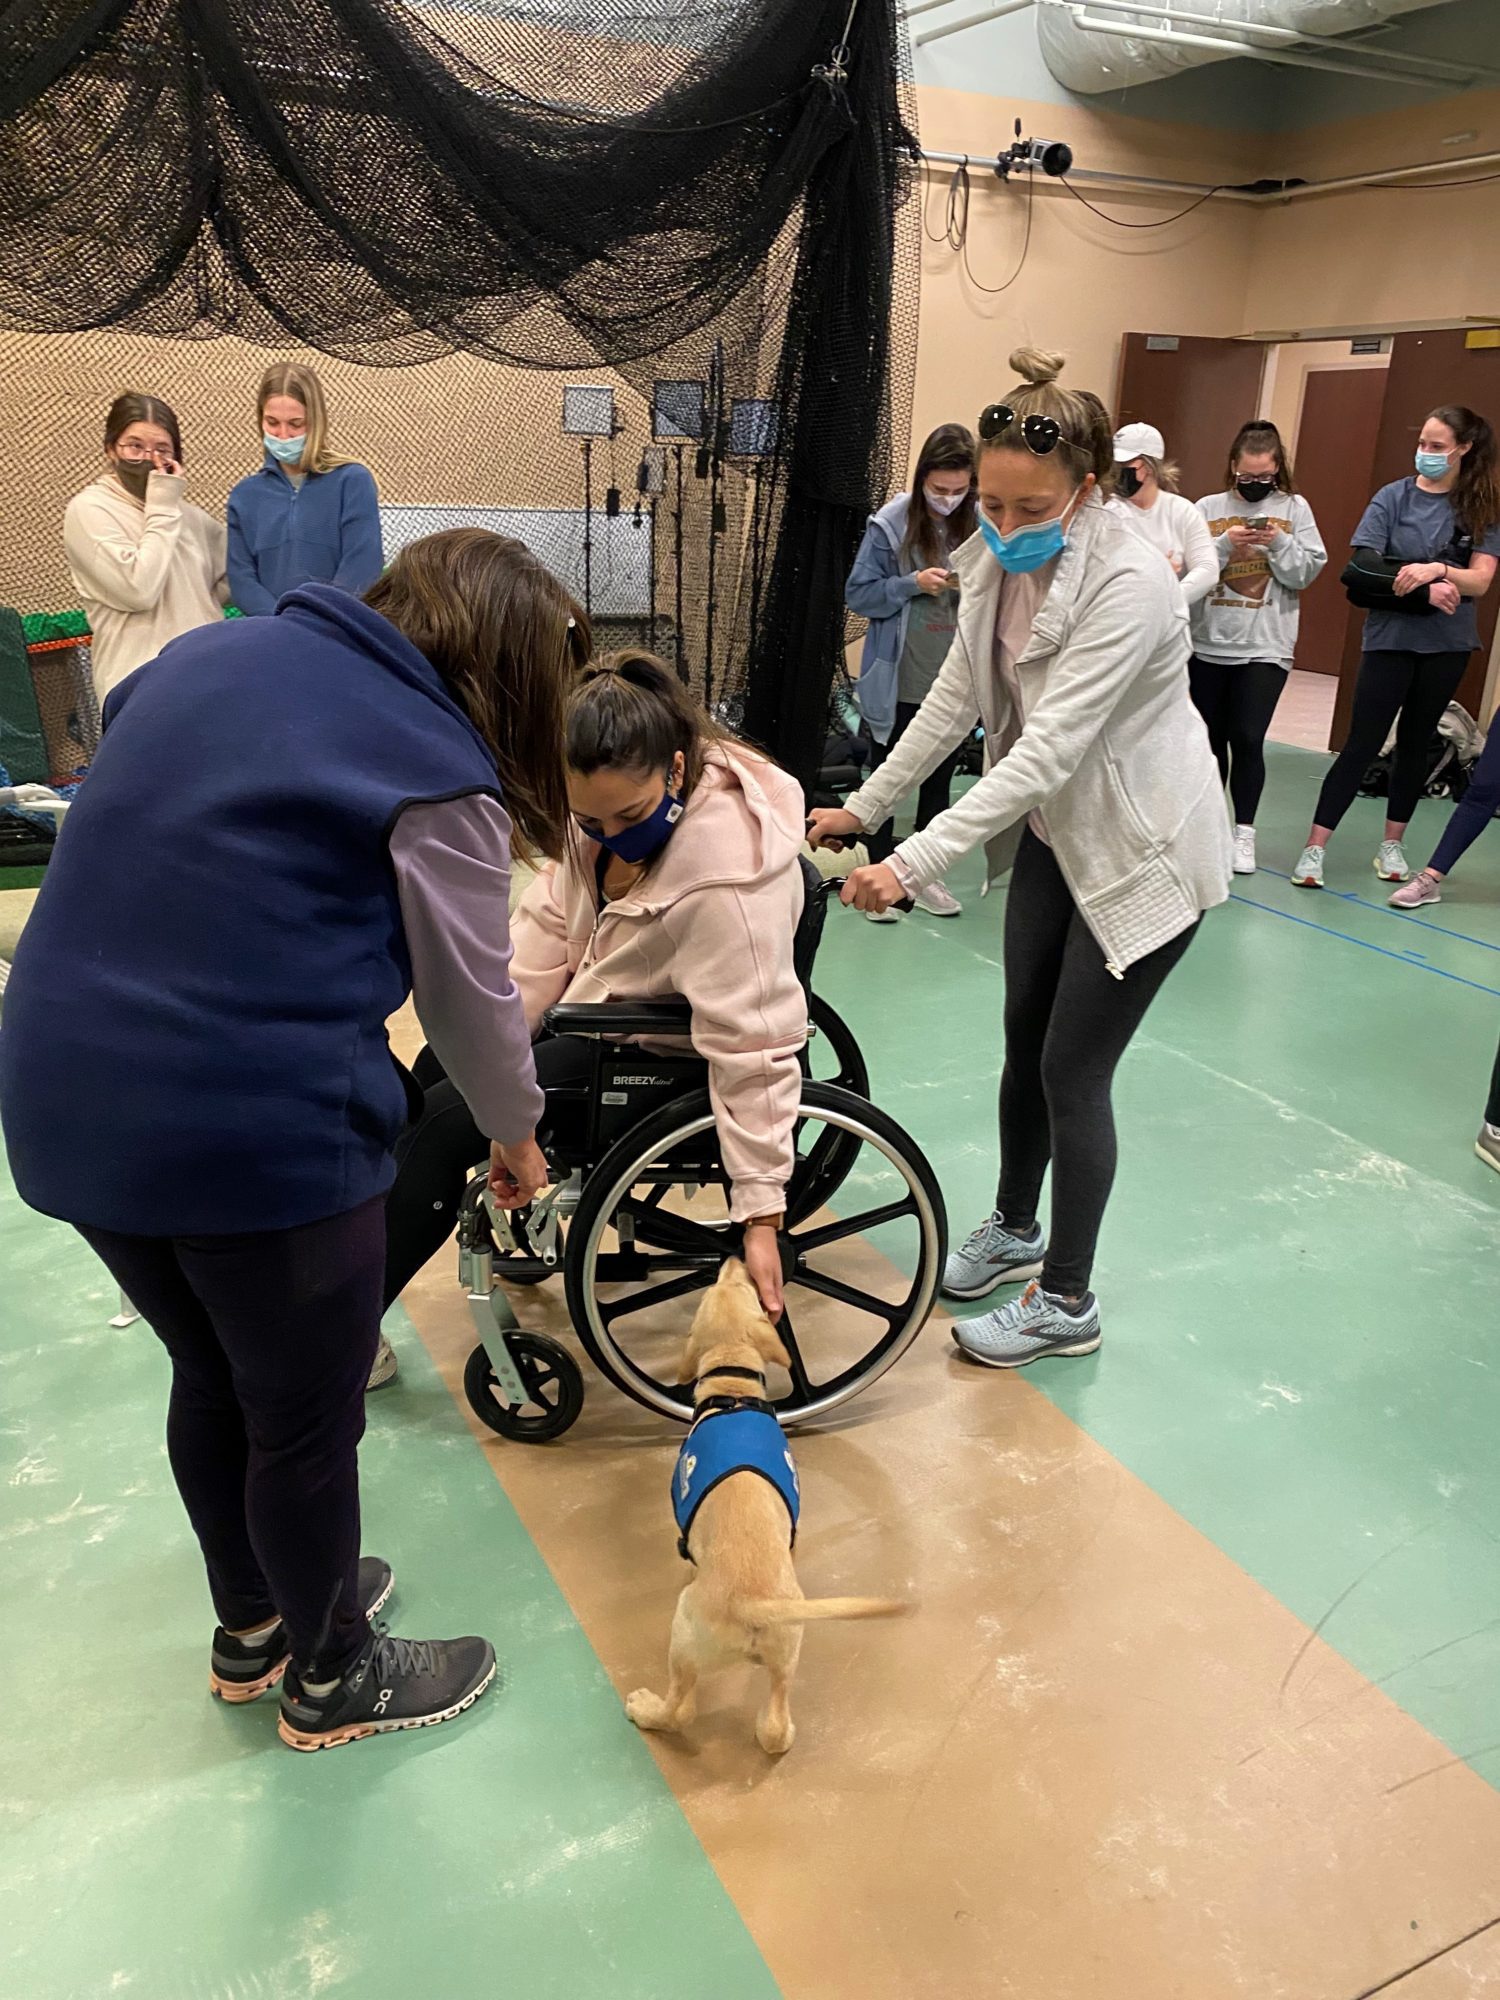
(849, 1295)
(853, 1225)
(801, 1382)
(665, 1231)
(656, 1295)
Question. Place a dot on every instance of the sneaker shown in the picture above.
(938, 900)
(992, 1256)
(394, 1684)
(1412, 895)
(384, 1370)
(1244, 850)
(1487, 1145)
(891, 916)
(1308, 873)
(239, 1672)
(1390, 862)
(1035, 1324)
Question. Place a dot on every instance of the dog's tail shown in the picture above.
(797, 1610)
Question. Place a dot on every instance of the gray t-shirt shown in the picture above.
(1404, 522)
(930, 626)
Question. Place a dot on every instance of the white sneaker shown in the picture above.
(890, 916)
(383, 1371)
(1390, 862)
(1244, 850)
(938, 900)
(1308, 873)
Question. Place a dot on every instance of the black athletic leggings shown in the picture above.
(437, 1153)
(1419, 686)
(1492, 1109)
(1237, 700)
(1068, 1021)
(931, 799)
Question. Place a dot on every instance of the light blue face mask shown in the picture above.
(286, 451)
(1432, 464)
(1029, 547)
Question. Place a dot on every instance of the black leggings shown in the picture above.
(1492, 1109)
(1068, 1021)
(1419, 686)
(1237, 700)
(931, 799)
(437, 1153)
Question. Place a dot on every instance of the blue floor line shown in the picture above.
(1426, 923)
(1416, 962)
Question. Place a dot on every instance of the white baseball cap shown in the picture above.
(1139, 441)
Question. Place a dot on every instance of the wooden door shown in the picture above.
(1197, 392)
(1335, 456)
(1428, 369)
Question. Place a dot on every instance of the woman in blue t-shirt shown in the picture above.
(1443, 526)
(307, 516)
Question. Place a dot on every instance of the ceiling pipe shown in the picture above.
(1261, 197)
(1086, 60)
(1170, 38)
(995, 13)
(1281, 37)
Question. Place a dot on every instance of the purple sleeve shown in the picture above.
(452, 863)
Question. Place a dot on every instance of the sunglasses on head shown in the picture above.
(1040, 435)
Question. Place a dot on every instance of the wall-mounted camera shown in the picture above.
(1049, 156)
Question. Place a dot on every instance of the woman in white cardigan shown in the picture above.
(147, 564)
(1101, 789)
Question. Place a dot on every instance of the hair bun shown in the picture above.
(1037, 365)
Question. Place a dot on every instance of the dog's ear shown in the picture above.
(769, 1345)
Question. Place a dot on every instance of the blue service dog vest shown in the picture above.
(725, 1442)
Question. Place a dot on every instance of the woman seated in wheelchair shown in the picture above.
(682, 879)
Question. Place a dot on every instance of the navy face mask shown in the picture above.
(648, 836)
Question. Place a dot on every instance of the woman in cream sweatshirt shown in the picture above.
(147, 563)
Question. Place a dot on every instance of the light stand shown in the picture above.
(678, 418)
(650, 483)
(588, 413)
(754, 429)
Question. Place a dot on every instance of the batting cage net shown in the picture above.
(632, 280)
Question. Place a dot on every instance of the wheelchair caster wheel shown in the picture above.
(554, 1389)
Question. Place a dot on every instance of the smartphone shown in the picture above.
(952, 579)
(1260, 522)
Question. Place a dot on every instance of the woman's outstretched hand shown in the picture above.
(831, 826)
(873, 888)
(517, 1173)
(762, 1254)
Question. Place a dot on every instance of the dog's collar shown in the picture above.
(740, 1375)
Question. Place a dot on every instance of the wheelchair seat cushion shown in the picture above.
(719, 1445)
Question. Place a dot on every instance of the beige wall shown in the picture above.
(1284, 384)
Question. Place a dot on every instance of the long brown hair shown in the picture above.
(297, 380)
(1476, 492)
(630, 712)
(508, 641)
(133, 409)
(1081, 418)
(1260, 435)
(950, 448)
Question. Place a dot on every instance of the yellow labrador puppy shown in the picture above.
(735, 1495)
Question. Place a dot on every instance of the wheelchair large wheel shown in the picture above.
(652, 1230)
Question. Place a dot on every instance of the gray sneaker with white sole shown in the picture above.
(1027, 1328)
(992, 1256)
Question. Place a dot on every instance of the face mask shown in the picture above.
(1255, 490)
(648, 835)
(1028, 548)
(1129, 481)
(133, 473)
(1432, 464)
(943, 503)
(286, 451)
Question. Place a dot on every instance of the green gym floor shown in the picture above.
(1202, 1697)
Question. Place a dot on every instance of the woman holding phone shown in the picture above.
(904, 583)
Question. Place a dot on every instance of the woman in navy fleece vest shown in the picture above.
(291, 824)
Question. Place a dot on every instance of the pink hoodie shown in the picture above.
(712, 923)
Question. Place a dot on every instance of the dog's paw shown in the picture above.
(773, 1739)
(645, 1709)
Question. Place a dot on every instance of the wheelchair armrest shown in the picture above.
(620, 1017)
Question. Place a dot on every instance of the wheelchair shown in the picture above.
(637, 1223)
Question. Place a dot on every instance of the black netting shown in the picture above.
(440, 200)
